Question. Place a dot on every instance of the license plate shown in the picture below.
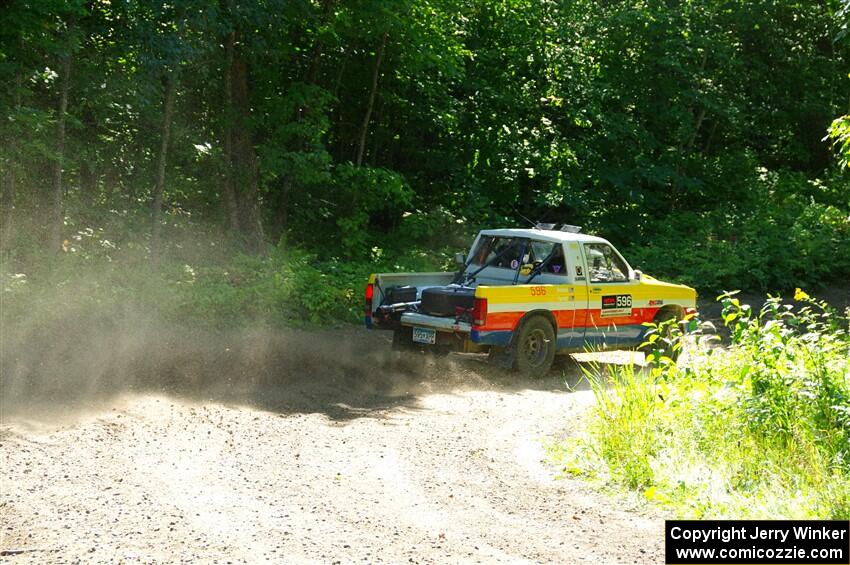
(424, 335)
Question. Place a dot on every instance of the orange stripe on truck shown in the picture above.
(581, 318)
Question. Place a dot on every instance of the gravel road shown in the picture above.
(434, 463)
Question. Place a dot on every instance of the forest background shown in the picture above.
(226, 163)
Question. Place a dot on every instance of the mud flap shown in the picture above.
(403, 340)
(502, 357)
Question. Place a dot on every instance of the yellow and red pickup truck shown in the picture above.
(525, 295)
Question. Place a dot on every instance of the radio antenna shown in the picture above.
(533, 224)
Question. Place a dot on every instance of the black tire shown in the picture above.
(534, 348)
(444, 301)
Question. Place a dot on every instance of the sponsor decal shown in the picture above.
(556, 268)
(579, 271)
(656, 302)
(616, 305)
(514, 264)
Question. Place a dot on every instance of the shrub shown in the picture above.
(786, 231)
(760, 429)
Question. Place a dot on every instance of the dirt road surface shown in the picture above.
(441, 462)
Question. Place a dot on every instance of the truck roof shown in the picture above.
(555, 236)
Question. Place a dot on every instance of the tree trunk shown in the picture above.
(364, 127)
(165, 138)
(707, 150)
(7, 203)
(88, 182)
(281, 214)
(374, 152)
(229, 192)
(244, 162)
(111, 184)
(319, 47)
(88, 177)
(57, 218)
(7, 197)
(700, 118)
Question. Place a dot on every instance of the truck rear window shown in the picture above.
(504, 252)
(507, 249)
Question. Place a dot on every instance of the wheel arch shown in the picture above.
(669, 311)
(546, 314)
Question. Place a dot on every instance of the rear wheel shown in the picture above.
(535, 347)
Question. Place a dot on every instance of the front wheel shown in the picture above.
(535, 347)
(666, 333)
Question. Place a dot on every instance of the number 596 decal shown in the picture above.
(617, 305)
(538, 291)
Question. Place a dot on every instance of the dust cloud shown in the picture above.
(68, 358)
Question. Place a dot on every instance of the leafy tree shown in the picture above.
(348, 127)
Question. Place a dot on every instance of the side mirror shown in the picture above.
(460, 258)
(638, 275)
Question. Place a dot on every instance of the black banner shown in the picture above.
(757, 542)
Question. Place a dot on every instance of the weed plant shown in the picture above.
(758, 429)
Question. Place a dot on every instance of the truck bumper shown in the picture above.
(450, 332)
(436, 322)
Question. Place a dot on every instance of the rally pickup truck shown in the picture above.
(523, 296)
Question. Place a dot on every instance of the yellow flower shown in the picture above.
(800, 294)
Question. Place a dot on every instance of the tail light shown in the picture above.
(370, 292)
(479, 312)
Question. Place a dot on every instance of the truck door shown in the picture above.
(572, 319)
(610, 319)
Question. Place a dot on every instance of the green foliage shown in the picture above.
(787, 235)
(204, 280)
(761, 429)
(839, 131)
(688, 135)
(364, 194)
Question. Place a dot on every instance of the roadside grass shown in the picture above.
(760, 429)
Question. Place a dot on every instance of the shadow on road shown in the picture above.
(58, 371)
